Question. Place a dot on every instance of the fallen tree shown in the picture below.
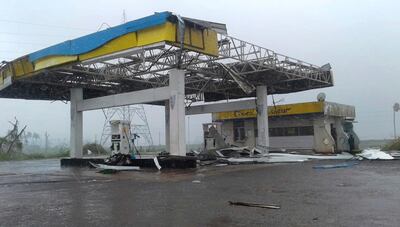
(12, 141)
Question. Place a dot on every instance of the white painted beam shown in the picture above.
(221, 107)
(76, 132)
(262, 119)
(124, 99)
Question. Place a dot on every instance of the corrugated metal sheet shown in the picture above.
(218, 27)
(339, 110)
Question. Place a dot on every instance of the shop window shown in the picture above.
(276, 131)
(306, 131)
(291, 131)
(239, 133)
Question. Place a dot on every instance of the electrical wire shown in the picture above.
(17, 42)
(44, 25)
(30, 34)
(13, 51)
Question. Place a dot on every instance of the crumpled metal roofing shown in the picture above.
(92, 41)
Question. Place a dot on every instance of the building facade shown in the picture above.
(323, 127)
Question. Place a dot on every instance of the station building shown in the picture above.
(324, 127)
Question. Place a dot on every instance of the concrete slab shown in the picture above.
(363, 195)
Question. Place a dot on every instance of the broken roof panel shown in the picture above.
(92, 41)
(138, 55)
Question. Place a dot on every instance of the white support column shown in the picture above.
(177, 143)
(167, 127)
(76, 133)
(262, 118)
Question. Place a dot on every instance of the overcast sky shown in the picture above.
(360, 39)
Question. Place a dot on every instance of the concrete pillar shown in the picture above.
(76, 133)
(342, 138)
(177, 143)
(323, 140)
(262, 118)
(167, 128)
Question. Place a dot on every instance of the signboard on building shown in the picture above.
(280, 110)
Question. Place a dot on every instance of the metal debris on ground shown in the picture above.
(116, 168)
(375, 154)
(119, 160)
(395, 154)
(221, 164)
(245, 155)
(234, 152)
(334, 166)
(284, 158)
(267, 206)
(157, 163)
(341, 156)
(108, 171)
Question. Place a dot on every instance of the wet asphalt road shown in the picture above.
(367, 194)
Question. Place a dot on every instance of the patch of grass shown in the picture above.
(392, 146)
(11, 156)
(38, 155)
(376, 143)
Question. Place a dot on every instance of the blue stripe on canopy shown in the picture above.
(92, 41)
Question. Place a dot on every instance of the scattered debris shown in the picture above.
(119, 160)
(395, 154)
(342, 156)
(244, 155)
(255, 151)
(108, 171)
(157, 163)
(117, 168)
(209, 162)
(221, 164)
(283, 158)
(266, 159)
(255, 205)
(234, 152)
(375, 154)
(334, 166)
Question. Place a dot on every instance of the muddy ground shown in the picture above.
(39, 193)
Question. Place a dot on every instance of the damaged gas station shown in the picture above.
(259, 162)
(189, 66)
